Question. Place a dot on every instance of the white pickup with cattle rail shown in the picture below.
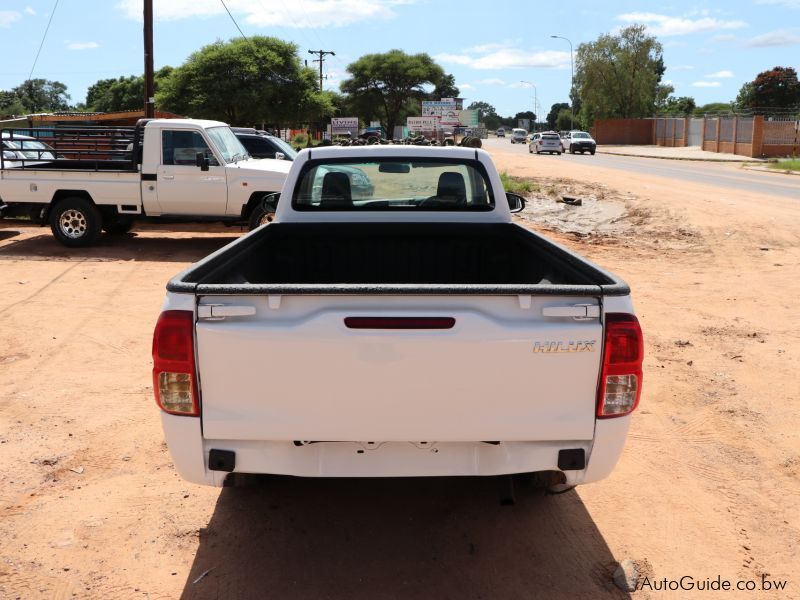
(106, 178)
(418, 331)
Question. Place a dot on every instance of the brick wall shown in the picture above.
(624, 131)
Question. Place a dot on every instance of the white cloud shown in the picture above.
(706, 84)
(666, 26)
(780, 37)
(266, 13)
(724, 37)
(465, 86)
(720, 75)
(509, 58)
(82, 45)
(7, 17)
(491, 81)
(29, 11)
(666, 82)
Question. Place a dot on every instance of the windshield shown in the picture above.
(30, 148)
(284, 147)
(391, 184)
(520, 132)
(550, 136)
(581, 135)
(227, 143)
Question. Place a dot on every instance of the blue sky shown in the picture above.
(710, 48)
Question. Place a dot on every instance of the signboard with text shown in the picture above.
(344, 125)
(435, 108)
(422, 123)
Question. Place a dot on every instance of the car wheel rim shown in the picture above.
(73, 224)
(266, 218)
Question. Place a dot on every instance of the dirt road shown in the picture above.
(709, 483)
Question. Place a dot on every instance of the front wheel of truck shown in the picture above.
(75, 222)
(263, 213)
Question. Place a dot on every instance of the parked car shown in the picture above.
(545, 142)
(394, 348)
(24, 150)
(519, 136)
(174, 170)
(579, 141)
(500, 133)
(266, 146)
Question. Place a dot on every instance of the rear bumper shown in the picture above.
(391, 459)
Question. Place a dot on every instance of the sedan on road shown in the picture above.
(545, 142)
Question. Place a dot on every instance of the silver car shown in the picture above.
(545, 142)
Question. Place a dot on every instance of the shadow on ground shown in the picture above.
(398, 538)
(158, 244)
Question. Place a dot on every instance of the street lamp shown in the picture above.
(571, 80)
(535, 103)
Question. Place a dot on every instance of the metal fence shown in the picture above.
(711, 130)
(781, 132)
(744, 130)
(726, 129)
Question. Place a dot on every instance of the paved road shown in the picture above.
(708, 173)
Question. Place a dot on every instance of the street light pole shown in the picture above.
(571, 80)
(535, 103)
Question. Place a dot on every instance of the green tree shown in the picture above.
(245, 81)
(445, 88)
(553, 114)
(42, 95)
(619, 75)
(682, 105)
(776, 88)
(10, 105)
(390, 80)
(123, 93)
(564, 120)
(713, 108)
(486, 114)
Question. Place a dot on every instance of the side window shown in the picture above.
(181, 148)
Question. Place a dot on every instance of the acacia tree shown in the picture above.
(776, 88)
(620, 75)
(553, 114)
(390, 80)
(245, 81)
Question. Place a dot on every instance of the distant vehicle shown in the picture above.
(500, 133)
(24, 150)
(579, 141)
(265, 146)
(545, 142)
(519, 136)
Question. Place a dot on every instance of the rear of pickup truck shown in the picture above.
(379, 337)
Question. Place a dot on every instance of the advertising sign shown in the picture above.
(422, 123)
(344, 125)
(470, 118)
(450, 117)
(435, 108)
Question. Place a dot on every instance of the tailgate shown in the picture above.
(291, 369)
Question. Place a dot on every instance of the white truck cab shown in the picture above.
(163, 169)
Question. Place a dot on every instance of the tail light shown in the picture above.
(621, 379)
(174, 374)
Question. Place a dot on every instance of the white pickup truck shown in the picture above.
(168, 170)
(416, 332)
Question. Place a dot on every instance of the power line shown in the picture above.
(50, 20)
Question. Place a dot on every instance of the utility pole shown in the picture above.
(149, 91)
(320, 60)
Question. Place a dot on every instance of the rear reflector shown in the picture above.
(621, 378)
(399, 322)
(174, 376)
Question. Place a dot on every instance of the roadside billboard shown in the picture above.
(470, 118)
(344, 125)
(435, 108)
(422, 123)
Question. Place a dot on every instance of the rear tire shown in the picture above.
(75, 222)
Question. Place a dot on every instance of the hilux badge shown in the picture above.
(563, 347)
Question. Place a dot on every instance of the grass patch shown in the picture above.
(518, 185)
(792, 164)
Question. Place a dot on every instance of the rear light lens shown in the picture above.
(174, 374)
(621, 378)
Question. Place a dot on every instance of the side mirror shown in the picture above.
(280, 155)
(201, 160)
(515, 202)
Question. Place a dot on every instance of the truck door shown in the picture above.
(183, 188)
